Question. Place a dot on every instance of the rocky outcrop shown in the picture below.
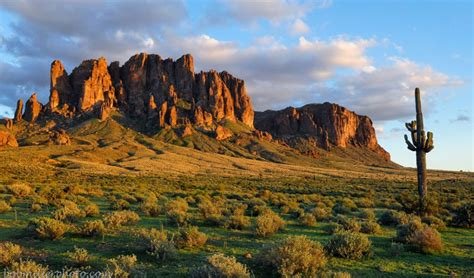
(324, 125)
(60, 89)
(7, 139)
(9, 123)
(19, 111)
(59, 137)
(223, 133)
(32, 109)
(92, 84)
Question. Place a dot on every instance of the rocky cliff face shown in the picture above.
(323, 125)
(159, 92)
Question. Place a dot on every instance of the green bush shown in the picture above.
(20, 190)
(122, 266)
(349, 245)
(367, 214)
(322, 213)
(79, 256)
(464, 216)
(307, 219)
(4, 207)
(150, 206)
(426, 240)
(344, 206)
(117, 219)
(370, 227)
(268, 223)
(406, 231)
(219, 265)
(393, 218)
(176, 211)
(190, 237)
(92, 228)
(29, 266)
(434, 222)
(295, 256)
(69, 212)
(157, 244)
(91, 210)
(9, 253)
(48, 228)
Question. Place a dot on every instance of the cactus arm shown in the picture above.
(410, 146)
(429, 142)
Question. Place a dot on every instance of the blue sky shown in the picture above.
(366, 55)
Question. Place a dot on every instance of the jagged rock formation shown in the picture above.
(9, 123)
(7, 139)
(152, 90)
(32, 109)
(19, 111)
(154, 93)
(323, 125)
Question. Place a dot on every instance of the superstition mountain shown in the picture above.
(168, 101)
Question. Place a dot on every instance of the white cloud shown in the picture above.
(299, 27)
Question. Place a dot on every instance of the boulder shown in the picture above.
(7, 139)
(32, 109)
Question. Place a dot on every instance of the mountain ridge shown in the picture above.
(169, 101)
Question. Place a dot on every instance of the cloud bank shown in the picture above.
(278, 72)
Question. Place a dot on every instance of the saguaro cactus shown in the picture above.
(421, 143)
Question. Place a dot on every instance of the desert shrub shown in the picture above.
(268, 223)
(35, 207)
(332, 274)
(307, 219)
(370, 227)
(295, 256)
(29, 266)
(426, 240)
(349, 245)
(122, 266)
(150, 206)
(92, 228)
(4, 207)
(396, 249)
(464, 216)
(333, 228)
(367, 214)
(393, 218)
(47, 228)
(79, 256)
(120, 204)
(434, 222)
(210, 211)
(69, 212)
(290, 207)
(365, 202)
(237, 222)
(190, 237)
(120, 218)
(91, 210)
(176, 211)
(219, 265)
(20, 190)
(255, 206)
(406, 231)
(237, 219)
(157, 243)
(9, 253)
(348, 224)
(344, 206)
(322, 213)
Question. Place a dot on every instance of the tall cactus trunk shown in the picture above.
(421, 143)
(420, 152)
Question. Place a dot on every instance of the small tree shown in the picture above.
(421, 143)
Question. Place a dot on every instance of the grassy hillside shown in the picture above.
(227, 194)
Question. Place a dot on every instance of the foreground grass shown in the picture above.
(384, 260)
